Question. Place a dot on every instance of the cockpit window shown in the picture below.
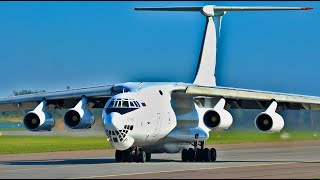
(111, 104)
(122, 106)
(131, 104)
(125, 104)
(118, 103)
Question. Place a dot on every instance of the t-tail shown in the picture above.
(205, 74)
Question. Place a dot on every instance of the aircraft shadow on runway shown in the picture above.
(111, 160)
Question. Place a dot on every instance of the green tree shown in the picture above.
(23, 92)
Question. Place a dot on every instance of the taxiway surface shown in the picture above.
(249, 160)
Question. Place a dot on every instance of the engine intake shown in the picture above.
(212, 119)
(79, 117)
(218, 117)
(269, 121)
(38, 119)
(72, 118)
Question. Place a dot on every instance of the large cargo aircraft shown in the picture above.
(141, 118)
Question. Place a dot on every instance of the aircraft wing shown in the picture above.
(98, 95)
(254, 99)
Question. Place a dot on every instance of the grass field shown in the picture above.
(36, 144)
(224, 137)
(10, 120)
(13, 129)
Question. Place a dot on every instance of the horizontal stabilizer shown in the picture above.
(211, 8)
(170, 9)
(222, 8)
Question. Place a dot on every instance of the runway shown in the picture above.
(249, 160)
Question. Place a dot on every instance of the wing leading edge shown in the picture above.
(64, 99)
(254, 99)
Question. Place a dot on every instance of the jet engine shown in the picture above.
(269, 121)
(79, 117)
(218, 117)
(39, 119)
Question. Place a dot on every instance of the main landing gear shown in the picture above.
(133, 155)
(199, 154)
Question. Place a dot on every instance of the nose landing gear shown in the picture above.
(132, 155)
(199, 154)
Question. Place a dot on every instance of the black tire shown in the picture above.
(148, 156)
(142, 156)
(129, 156)
(125, 156)
(136, 157)
(206, 155)
(118, 156)
(213, 154)
(191, 155)
(199, 155)
(184, 155)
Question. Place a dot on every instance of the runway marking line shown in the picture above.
(180, 170)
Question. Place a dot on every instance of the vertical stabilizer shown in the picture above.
(205, 75)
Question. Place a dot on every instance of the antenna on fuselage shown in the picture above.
(205, 75)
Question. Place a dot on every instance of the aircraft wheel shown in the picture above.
(213, 154)
(136, 157)
(142, 156)
(148, 156)
(191, 155)
(184, 155)
(199, 155)
(129, 155)
(206, 155)
(125, 156)
(119, 156)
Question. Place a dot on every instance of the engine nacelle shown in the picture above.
(221, 119)
(39, 119)
(269, 121)
(218, 117)
(79, 117)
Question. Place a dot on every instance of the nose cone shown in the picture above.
(112, 121)
(114, 124)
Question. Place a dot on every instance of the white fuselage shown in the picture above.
(150, 117)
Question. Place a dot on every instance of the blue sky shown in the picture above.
(52, 45)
